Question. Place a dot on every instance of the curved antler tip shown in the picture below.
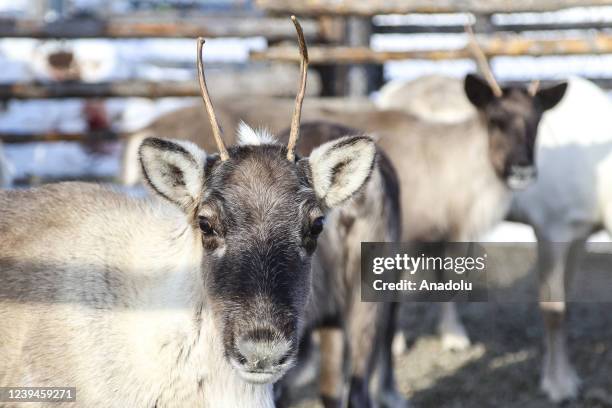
(293, 17)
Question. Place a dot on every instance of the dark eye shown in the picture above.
(206, 227)
(317, 226)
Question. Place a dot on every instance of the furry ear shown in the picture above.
(341, 167)
(477, 91)
(173, 169)
(550, 97)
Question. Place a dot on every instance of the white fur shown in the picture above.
(249, 136)
(131, 173)
(433, 98)
(143, 350)
(574, 154)
(157, 163)
(357, 158)
(571, 196)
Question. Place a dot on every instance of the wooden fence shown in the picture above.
(496, 37)
(339, 33)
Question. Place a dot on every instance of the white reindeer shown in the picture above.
(571, 198)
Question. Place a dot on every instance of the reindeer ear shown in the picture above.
(477, 91)
(341, 167)
(550, 97)
(173, 169)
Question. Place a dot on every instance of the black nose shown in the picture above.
(522, 162)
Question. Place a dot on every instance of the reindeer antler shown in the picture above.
(209, 106)
(482, 62)
(297, 112)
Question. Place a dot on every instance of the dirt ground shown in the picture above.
(501, 368)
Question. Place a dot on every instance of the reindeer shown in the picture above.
(335, 308)
(194, 297)
(497, 145)
(569, 200)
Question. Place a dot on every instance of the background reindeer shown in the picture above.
(571, 198)
(193, 297)
(568, 201)
(367, 329)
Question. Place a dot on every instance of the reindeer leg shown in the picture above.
(362, 330)
(388, 395)
(453, 335)
(452, 332)
(331, 384)
(559, 379)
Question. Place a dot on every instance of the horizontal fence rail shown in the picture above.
(122, 89)
(252, 80)
(516, 28)
(600, 43)
(373, 7)
(27, 137)
(273, 29)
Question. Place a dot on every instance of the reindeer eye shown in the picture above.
(317, 226)
(206, 227)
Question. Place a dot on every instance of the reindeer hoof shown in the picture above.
(561, 385)
(454, 337)
(392, 399)
(454, 342)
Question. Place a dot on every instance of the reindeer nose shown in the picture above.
(262, 350)
(520, 177)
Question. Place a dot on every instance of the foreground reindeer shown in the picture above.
(367, 328)
(191, 299)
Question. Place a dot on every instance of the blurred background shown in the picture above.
(78, 77)
(89, 69)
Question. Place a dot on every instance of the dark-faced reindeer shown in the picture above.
(496, 147)
(335, 307)
(192, 298)
(570, 198)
